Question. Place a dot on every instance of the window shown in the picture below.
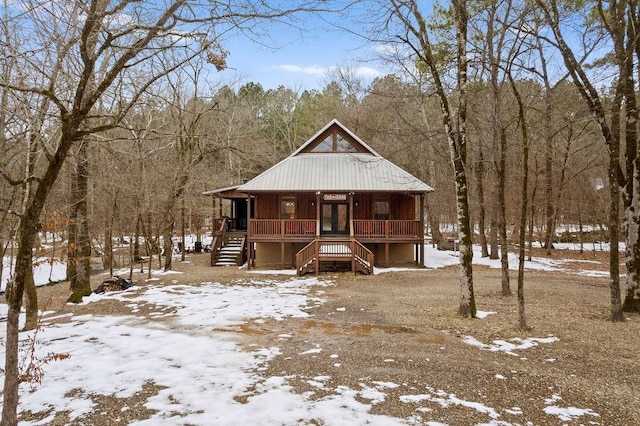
(342, 145)
(382, 210)
(334, 142)
(325, 146)
(287, 208)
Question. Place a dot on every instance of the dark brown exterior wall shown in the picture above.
(401, 206)
(304, 207)
(364, 207)
(267, 206)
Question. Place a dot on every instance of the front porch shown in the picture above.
(372, 231)
(302, 244)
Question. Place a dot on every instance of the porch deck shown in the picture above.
(303, 230)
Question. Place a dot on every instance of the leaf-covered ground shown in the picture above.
(228, 346)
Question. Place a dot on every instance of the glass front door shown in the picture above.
(335, 218)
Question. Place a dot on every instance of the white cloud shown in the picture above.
(314, 69)
(365, 72)
(386, 49)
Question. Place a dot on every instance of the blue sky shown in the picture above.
(299, 58)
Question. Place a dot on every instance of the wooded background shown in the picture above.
(522, 115)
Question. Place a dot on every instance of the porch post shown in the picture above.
(386, 253)
(213, 228)
(249, 239)
(317, 250)
(421, 248)
(282, 254)
(351, 234)
(318, 214)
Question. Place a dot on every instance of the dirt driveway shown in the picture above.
(398, 332)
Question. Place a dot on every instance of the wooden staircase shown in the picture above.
(231, 250)
(308, 259)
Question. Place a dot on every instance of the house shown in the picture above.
(334, 201)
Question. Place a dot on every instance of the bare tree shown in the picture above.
(79, 242)
(522, 121)
(620, 22)
(127, 40)
(414, 33)
(498, 52)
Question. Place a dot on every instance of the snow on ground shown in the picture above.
(434, 258)
(566, 414)
(186, 343)
(192, 353)
(516, 344)
(46, 270)
(50, 270)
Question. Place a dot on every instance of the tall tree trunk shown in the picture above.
(458, 149)
(29, 283)
(72, 236)
(632, 250)
(27, 232)
(502, 225)
(610, 132)
(548, 190)
(11, 373)
(136, 241)
(168, 246)
(81, 282)
(479, 169)
(467, 308)
(107, 256)
(31, 301)
(632, 186)
(454, 119)
(182, 234)
(522, 318)
(434, 225)
(548, 157)
(14, 293)
(614, 236)
(432, 213)
(493, 222)
(107, 262)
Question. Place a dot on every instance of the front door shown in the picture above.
(335, 218)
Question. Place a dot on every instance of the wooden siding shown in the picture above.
(305, 206)
(267, 206)
(401, 206)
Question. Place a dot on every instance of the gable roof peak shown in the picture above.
(335, 123)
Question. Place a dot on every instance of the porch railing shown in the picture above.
(282, 227)
(386, 229)
(317, 251)
(218, 238)
(362, 229)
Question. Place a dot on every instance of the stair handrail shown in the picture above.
(363, 253)
(305, 255)
(218, 238)
(243, 251)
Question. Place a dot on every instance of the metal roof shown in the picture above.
(310, 172)
(218, 191)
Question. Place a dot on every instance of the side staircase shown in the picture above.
(230, 250)
(308, 259)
